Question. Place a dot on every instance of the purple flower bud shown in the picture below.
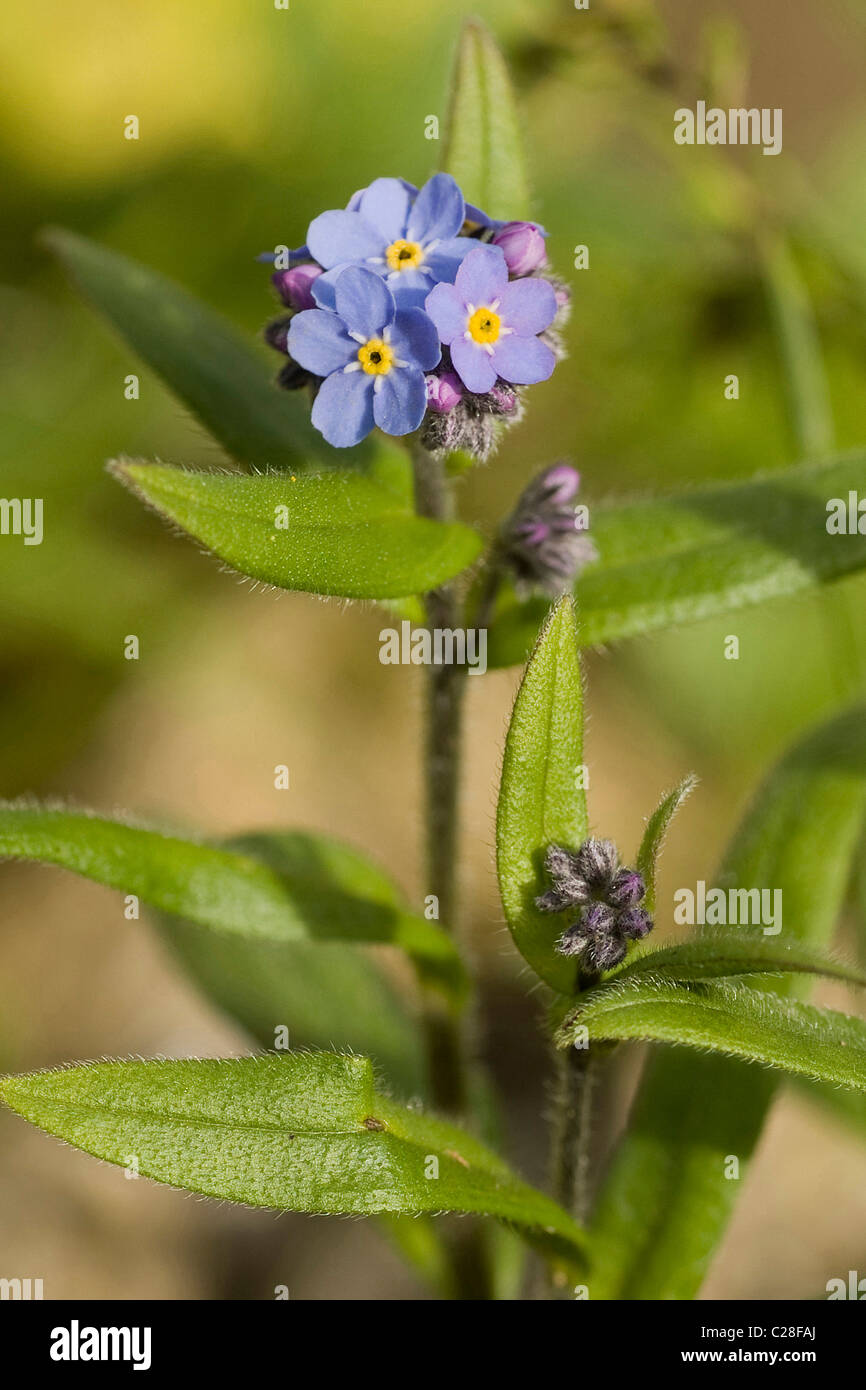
(598, 860)
(503, 400)
(626, 890)
(560, 484)
(604, 952)
(444, 392)
(635, 923)
(563, 296)
(573, 942)
(522, 244)
(598, 920)
(295, 286)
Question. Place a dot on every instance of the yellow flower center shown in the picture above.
(375, 357)
(485, 326)
(404, 255)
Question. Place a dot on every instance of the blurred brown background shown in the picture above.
(251, 123)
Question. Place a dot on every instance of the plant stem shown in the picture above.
(444, 1032)
(576, 1080)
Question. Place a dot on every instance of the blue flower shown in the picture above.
(372, 356)
(409, 238)
(491, 325)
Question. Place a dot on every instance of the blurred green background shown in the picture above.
(252, 120)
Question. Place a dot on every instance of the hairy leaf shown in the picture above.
(672, 560)
(200, 356)
(337, 533)
(300, 1132)
(292, 887)
(542, 800)
(666, 1200)
(484, 144)
(732, 1019)
(655, 835)
(715, 954)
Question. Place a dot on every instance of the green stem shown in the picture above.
(446, 1045)
(576, 1078)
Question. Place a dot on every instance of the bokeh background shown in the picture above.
(253, 119)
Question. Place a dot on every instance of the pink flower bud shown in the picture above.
(444, 392)
(295, 286)
(522, 244)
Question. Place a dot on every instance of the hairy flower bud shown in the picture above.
(541, 542)
(607, 898)
(522, 244)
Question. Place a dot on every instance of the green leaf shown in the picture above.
(541, 796)
(698, 554)
(300, 1132)
(484, 144)
(714, 955)
(338, 533)
(666, 1201)
(293, 887)
(732, 1019)
(655, 835)
(200, 356)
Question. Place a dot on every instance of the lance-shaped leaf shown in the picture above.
(655, 835)
(300, 1132)
(484, 144)
(755, 1025)
(201, 357)
(716, 954)
(293, 887)
(542, 800)
(666, 1201)
(337, 533)
(672, 560)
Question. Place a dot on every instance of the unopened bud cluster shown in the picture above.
(607, 898)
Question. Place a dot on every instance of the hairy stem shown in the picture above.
(576, 1080)
(444, 1033)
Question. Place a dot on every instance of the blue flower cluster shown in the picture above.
(409, 308)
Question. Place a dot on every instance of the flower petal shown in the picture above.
(364, 301)
(343, 408)
(483, 276)
(528, 306)
(446, 259)
(385, 205)
(318, 341)
(414, 339)
(523, 361)
(409, 287)
(473, 365)
(324, 289)
(400, 400)
(448, 312)
(438, 211)
(343, 236)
